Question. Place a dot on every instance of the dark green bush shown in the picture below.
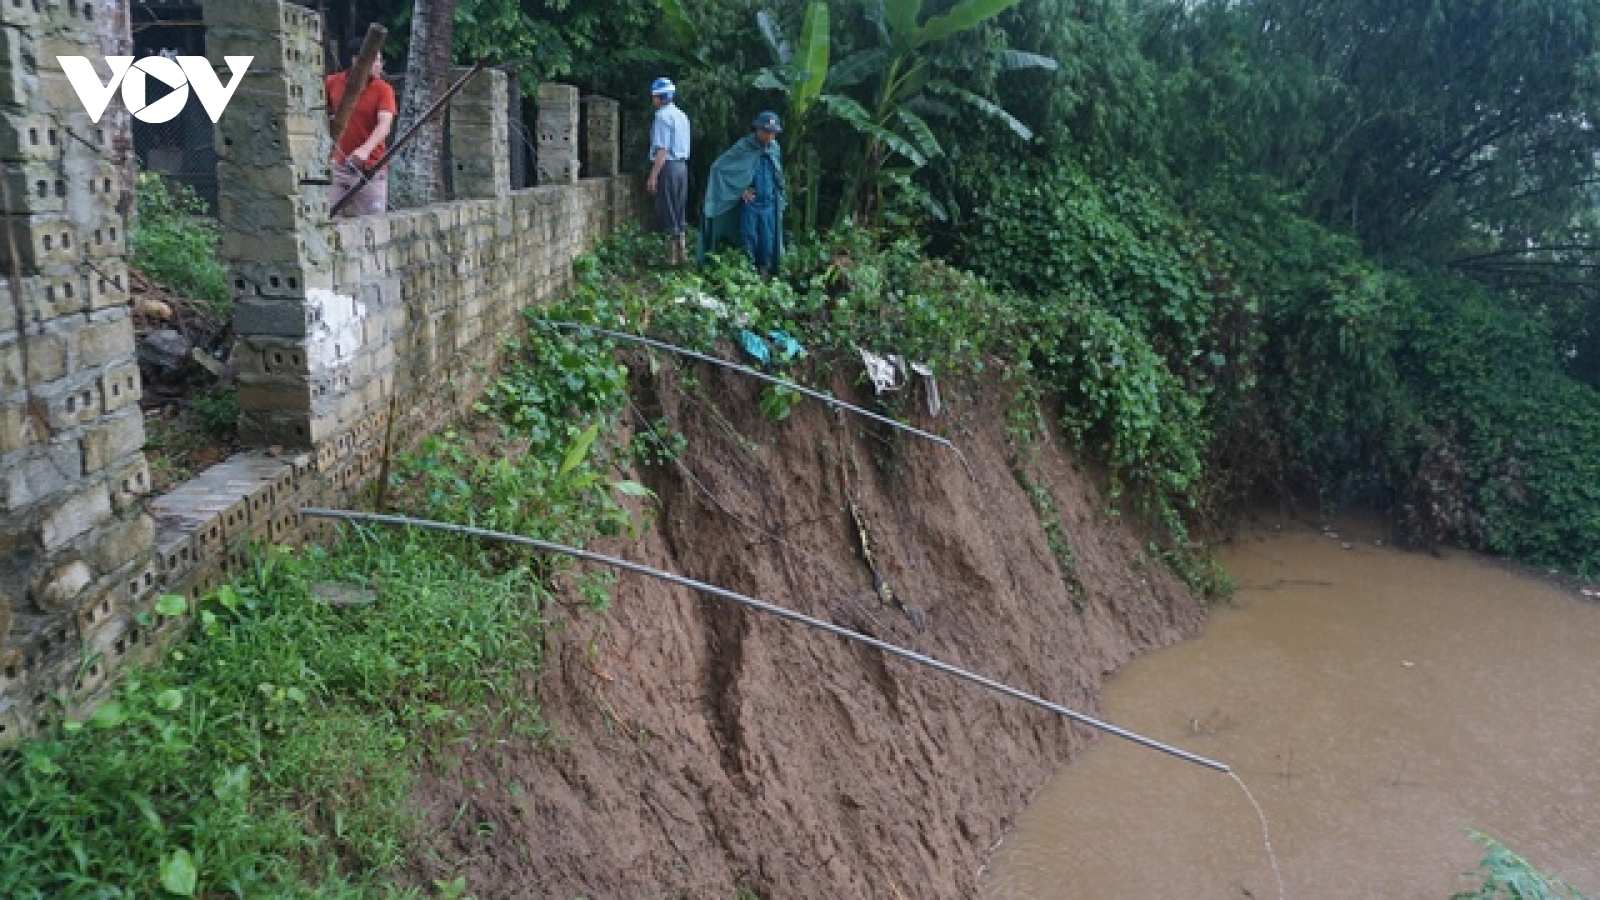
(1505, 441)
(218, 411)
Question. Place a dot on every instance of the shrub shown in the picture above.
(174, 243)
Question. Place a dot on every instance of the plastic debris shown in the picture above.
(934, 406)
(883, 373)
(753, 346)
(788, 348)
(892, 373)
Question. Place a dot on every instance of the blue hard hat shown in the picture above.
(663, 87)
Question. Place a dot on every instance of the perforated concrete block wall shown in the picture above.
(75, 543)
(558, 134)
(336, 324)
(602, 126)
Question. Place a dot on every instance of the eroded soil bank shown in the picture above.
(705, 749)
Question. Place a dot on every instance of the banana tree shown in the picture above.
(909, 81)
(801, 78)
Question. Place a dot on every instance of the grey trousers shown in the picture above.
(373, 199)
(672, 196)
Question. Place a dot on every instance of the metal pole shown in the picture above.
(366, 174)
(780, 612)
(825, 398)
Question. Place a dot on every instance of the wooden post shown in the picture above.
(356, 79)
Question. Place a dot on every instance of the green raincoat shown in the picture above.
(731, 174)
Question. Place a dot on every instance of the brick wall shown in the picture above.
(75, 542)
(336, 323)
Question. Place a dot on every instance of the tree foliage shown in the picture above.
(595, 43)
(1312, 237)
(1421, 127)
(910, 73)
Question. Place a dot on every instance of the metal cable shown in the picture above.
(770, 609)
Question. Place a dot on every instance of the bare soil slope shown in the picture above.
(707, 749)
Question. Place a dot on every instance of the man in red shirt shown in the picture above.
(362, 142)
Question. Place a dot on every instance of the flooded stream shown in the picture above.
(1379, 704)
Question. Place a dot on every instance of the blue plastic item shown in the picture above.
(788, 347)
(753, 346)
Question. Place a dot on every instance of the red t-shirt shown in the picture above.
(378, 96)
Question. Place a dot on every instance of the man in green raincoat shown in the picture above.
(746, 196)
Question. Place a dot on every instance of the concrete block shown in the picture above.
(262, 16)
(287, 245)
(75, 17)
(284, 150)
(106, 339)
(174, 547)
(19, 71)
(42, 240)
(129, 481)
(121, 542)
(557, 131)
(104, 239)
(58, 589)
(262, 358)
(71, 402)
(74, 516)
(276, 316)
(20, 427)
(286, 279)
(271, 180)
(34, 187)
(276, 397)
(34, 476)
(268, 46)
(602, 133)
(233, 512)
(113, 440)
(56, 292)
(266, 428)
(119, 387)
(23, 15)
(46, 355)
(291, 100)
(108, 287)
(265, 112)
(105, 600)
(103, 627)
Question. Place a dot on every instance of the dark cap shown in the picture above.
(767, 120)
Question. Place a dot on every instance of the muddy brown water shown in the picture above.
(1380, 705)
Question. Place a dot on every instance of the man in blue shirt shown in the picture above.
(669, 167)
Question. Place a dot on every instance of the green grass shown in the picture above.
(272, 751)
(274, 747)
